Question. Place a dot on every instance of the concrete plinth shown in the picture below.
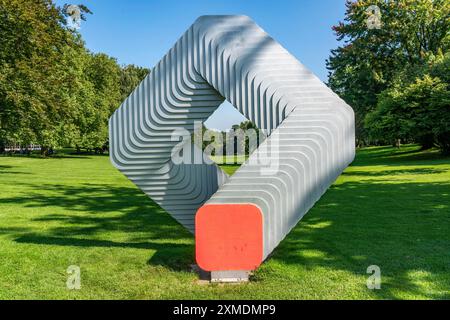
(230, 276)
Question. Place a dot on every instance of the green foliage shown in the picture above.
(130, 77)
(370, 60)
(227, 142)
(30, 59)
(417, 111)
(53, 91)
(248, 128)
(101, 96)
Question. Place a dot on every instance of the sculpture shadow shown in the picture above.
(401, 227)
(93, 213)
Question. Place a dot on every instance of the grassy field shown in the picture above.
(391, 208)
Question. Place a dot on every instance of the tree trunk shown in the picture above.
(427, 141)
(443, 141)
(44, 151)
(397, 143)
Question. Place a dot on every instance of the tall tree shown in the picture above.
(416, 110)
(370, 58)
(130, 77)
(30, 56)
(103, 73)
(53, 91)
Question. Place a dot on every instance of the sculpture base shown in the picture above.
(229, 276)
(220, 276)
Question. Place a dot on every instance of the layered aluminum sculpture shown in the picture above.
(241, 219)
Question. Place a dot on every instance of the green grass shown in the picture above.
(390, 208)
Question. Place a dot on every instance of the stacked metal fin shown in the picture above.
(311, 130)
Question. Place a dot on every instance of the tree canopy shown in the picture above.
(375, 68)
(53, 91)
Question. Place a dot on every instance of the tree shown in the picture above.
(370, 60)
(30, 56)
(419, 110)
(53, 91)
(130, 77)
(248, 127)
(101, 97)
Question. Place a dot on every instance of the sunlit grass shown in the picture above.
(390, 208)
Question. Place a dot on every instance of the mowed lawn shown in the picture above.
(391, 208)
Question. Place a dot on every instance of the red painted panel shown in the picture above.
(229, 237)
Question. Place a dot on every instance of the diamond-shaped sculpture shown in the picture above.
(241, 219)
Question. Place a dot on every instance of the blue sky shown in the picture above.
(142, 31)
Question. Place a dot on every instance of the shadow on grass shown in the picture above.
(406, 155)
(174, 256)
(403, 228)
(381, 173)
(94, 212)
(7, 170)
(38, 156)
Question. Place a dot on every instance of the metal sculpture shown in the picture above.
(239, 220)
